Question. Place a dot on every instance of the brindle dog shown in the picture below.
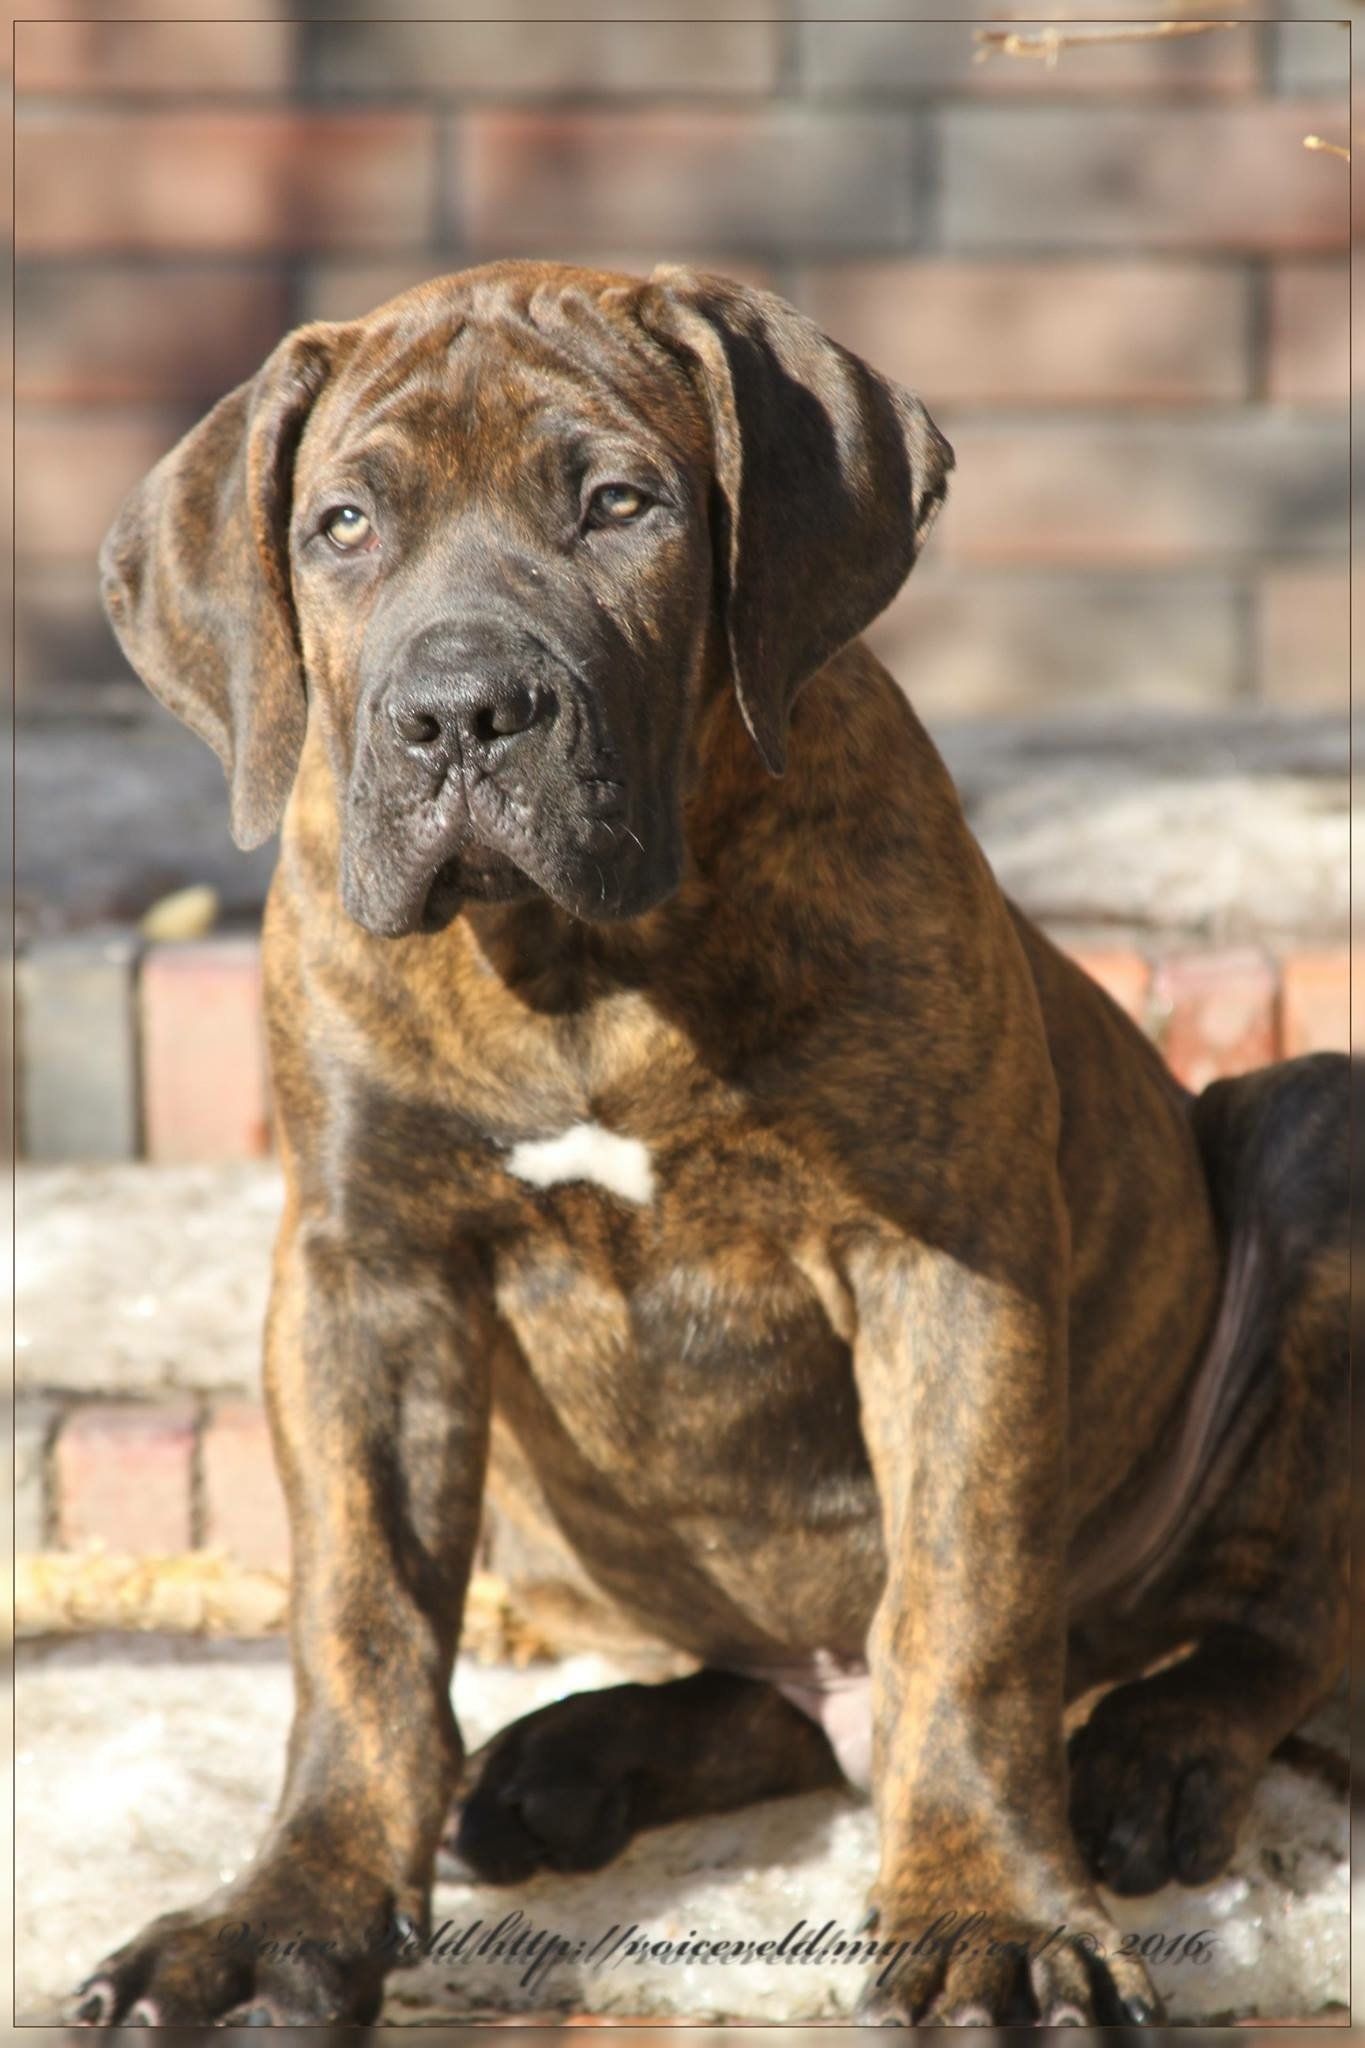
(853, 1278)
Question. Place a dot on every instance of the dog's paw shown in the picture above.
(1002, 1973)
(549, 1793)
(195, 1968)
(1155, 1796)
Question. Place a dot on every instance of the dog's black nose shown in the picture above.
(461, 708)
(416, 728)
(510, 710)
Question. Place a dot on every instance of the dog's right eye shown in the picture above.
(347, 528)
(617, 504)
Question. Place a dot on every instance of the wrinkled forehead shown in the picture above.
(470, 373)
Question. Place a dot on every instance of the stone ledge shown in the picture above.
(1185, 828)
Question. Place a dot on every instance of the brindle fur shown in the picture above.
(907, 1341)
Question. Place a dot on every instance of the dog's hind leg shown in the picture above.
(1254, 1581)
(565, 1788)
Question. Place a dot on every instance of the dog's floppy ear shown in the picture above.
(829, 477)
(194, 574)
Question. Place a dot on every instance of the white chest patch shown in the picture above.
(586, 1152)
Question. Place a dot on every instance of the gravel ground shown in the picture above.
(147, 1767)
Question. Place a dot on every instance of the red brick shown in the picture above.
(610, 10)
(123, 1477)
(1317, 1003)
(1310, 333)
(342, 290)
(244, 1509)
(345, 288)
(1125, 976)
(61, 635)
(1230, 177)
(187, 10)
(555, 57)
(1303, 634)
(76, 466)
(103, 333)
(1155, 490)
(153, 56)
(1080, 333)
(203, 1051)
(970, 642)
(1216, 1013)
(248, 180)
(786, 178)
(938, 57)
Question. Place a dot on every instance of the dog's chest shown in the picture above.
(675, 1358)
(692, 1237)
(586, 1154)
(682, 1393)
(618, 1139)
(681, 1336)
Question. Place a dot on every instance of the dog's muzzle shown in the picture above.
(477, 780)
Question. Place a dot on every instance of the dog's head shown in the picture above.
(488, 538)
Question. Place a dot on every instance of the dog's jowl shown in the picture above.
(660, 1068)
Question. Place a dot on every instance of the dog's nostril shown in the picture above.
(418, 728)
(513, 711)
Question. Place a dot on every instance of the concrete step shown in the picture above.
(1219, 827)
(147, 1768)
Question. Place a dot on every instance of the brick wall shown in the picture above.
(1119, 280)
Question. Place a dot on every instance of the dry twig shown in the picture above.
(1329, 148)
(204, 1592)
(1048, 43)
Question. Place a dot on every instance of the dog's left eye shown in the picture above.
(614, 504)
(348, 527)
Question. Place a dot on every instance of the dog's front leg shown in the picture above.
(984, 1912)
(377, 1370)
